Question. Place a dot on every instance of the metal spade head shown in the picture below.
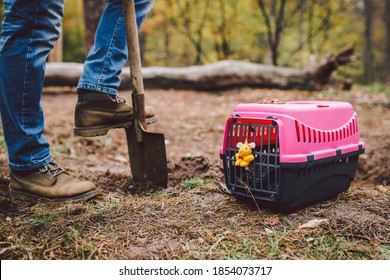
(148, 159)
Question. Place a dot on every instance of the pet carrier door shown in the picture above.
(259, 179)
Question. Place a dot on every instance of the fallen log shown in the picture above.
(220, 75)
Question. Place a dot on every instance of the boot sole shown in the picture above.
(103, 130)
(78, 198)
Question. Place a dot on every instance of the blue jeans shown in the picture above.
(29, 31)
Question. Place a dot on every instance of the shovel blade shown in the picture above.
(148, 158)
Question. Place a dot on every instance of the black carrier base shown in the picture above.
(298, 184)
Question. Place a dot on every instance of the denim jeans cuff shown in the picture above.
(31, 166)
(99, 88)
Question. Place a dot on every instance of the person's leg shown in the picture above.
(108, 55)
(29, 31)
(98, 108)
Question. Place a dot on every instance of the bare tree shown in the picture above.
(326, 12)
(191, 24)
(222, 38)
(93, 10)
(368, 57)
(273, 20)
(57, 53)
(301, 33)
(310, 25)
(387, 43)
(1, 13)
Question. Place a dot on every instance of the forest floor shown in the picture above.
(193, 218)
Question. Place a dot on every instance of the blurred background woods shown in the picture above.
(296, 33)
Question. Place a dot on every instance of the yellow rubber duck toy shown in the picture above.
(244, 156)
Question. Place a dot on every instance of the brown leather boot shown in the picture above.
(51, 182)
(97, 113)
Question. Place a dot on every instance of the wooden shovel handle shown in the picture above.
(138, 97)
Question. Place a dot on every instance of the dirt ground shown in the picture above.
(193, 218)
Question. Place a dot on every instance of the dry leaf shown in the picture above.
(313, 223)
(353, 247)
(271, 101)
(381, 189)
(118, 142)
(272, 221)
(118, 158)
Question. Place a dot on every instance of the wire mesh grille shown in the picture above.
(260, 180)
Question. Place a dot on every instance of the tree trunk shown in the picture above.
(1, 13)
(188, 26)
(223, 38)
(301, 36)
(310, 26)
(142, 37)
(93, 10)
(56, 54)
(322, 73)
(274, 22)
(387, 44)
(272, 48)
(220, 75)
(368, 56)
(198, 43)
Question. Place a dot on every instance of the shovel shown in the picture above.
(148, 159)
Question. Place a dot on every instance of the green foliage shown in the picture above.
(180, 33)
(187, 32)
(376, 87)
(2, 142)
(41, 216)
(77, 227)
(74, 32)
(192, 183)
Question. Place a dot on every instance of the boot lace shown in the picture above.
(119, 99)
(52, 170)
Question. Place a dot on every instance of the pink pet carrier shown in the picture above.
(303, 152)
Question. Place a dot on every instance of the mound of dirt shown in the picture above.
(192, 167)
(374, 165)
(186, 168)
